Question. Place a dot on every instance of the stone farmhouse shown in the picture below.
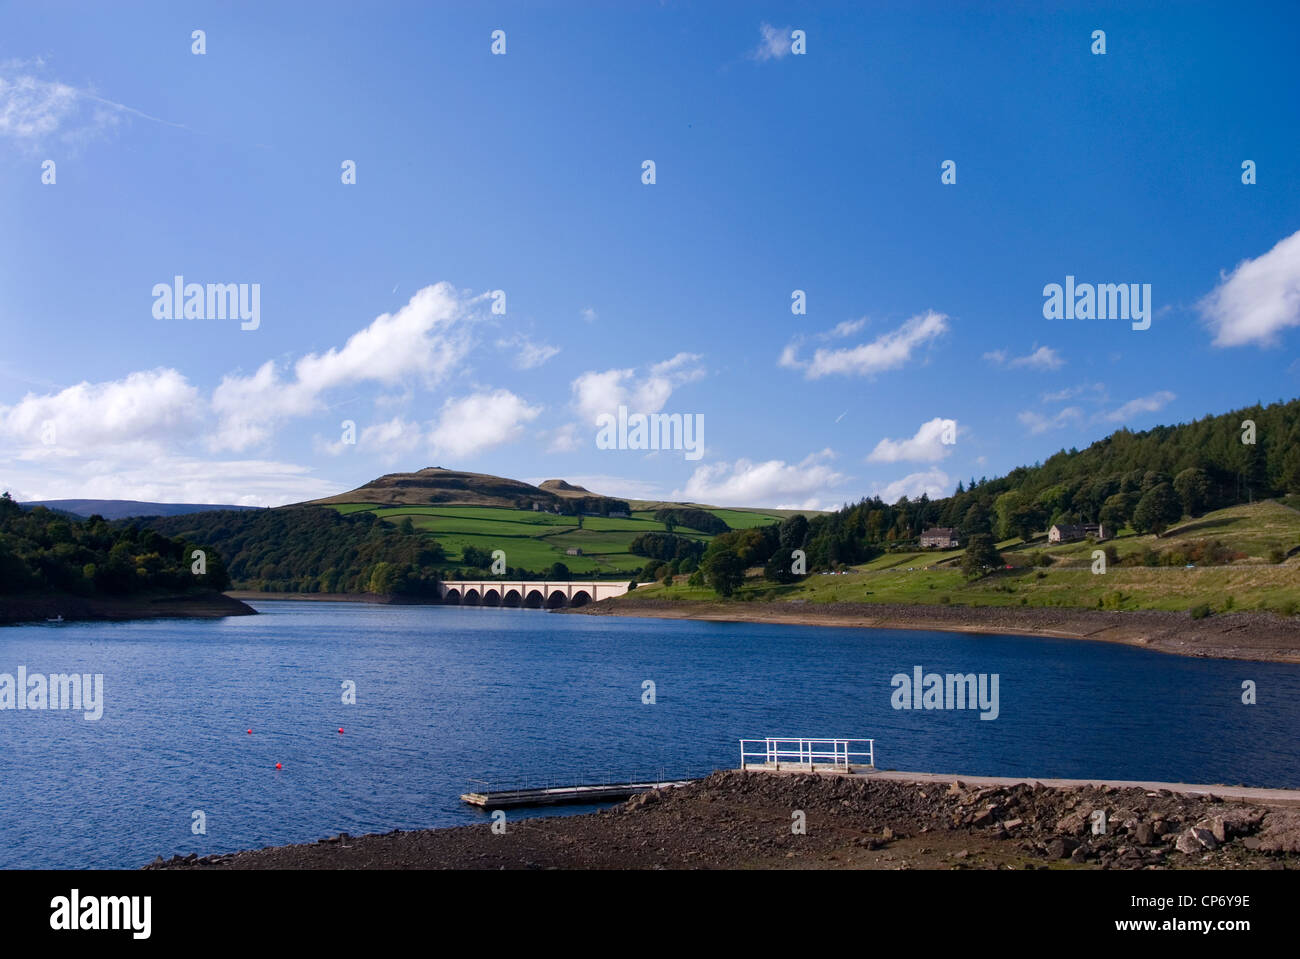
(942, 537)
(1072, 532)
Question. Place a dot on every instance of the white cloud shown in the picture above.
(933, 483)
(1143, 404)
(775, 44)
(1037, 423)
(471, 424)
(427, 339)
(1042, 358)
(148, 406)
(590, 315)
(1258, 300)
(889, 351)
(175, 479)
(926, 446)
(605, 391)
(120, 439)
(746, 483)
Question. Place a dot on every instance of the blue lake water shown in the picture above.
(450, 694)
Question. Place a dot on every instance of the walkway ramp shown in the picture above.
(558, 795)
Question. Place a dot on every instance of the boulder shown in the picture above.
(1217, 828)
(1074, 824)
(1060, 847)
(1280, 831)
(1195, 839)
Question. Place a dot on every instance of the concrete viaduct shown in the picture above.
(532, 594)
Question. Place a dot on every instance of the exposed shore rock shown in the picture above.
(744, 820)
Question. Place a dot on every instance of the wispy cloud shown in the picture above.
(1094, 391)
(774, 45)
(528, 355)
(1143, 404)
(1041, 358)
(887, 352)
(36, 112)
(1037, 423)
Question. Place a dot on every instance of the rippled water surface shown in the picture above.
(450, 694)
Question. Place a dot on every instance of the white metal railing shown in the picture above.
(839, 754)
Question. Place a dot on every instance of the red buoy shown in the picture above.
(277, 765)
(340, 729)
(250, 732)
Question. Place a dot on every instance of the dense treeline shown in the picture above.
(697, 519)
(666, 546)
(1147, 481)
(315, 550)
(592, 505)
(44, 551)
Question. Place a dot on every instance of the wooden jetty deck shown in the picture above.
(559, 795)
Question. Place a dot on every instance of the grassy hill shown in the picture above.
(124, 508)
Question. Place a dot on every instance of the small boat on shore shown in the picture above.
(56, 619)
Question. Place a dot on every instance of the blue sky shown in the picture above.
(774, 171)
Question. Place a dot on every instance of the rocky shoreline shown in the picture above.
(199, 605)
(745, 820)
(1260, 637)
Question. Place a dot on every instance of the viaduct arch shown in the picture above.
(527, 594)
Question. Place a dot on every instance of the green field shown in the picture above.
(534, 540)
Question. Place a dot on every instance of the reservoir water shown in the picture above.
(445, 695)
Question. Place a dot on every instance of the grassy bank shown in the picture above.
(1061, 576)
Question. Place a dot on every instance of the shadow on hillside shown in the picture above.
(1201, 525)
(772, 591)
